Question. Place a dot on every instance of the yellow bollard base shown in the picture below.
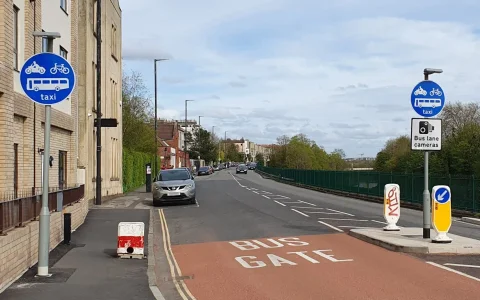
(441, 238)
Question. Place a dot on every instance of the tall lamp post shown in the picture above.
(184, 139)
(426, 192)
(199, 118)
(156, 104)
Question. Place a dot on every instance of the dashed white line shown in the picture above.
(307, 207)
(324, 213)
(279, 203)
(297, 211)
(281, 196)
(335, 219)
(289, 202)
(265, 196)
(307, 203)
(333, 227)
(460, 265)
(266, 192)
(341, 212)
(380, 222)
(452, 270)
(256, 192)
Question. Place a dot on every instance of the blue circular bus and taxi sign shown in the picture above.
(428, 99)
(47, 78)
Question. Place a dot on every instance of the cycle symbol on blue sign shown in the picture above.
(47, 78)
(442, 195)
(427, 99)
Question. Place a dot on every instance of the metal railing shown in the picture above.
(16, 212)
(370, 184)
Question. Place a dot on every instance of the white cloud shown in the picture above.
(259, 69)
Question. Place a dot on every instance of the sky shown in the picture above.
(341, 71)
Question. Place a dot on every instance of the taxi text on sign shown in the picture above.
(391, 206)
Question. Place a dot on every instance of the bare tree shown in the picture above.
(455, 116)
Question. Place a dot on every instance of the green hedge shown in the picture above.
(134, 168)
(465, 189)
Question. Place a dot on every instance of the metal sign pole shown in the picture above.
(426, 193)
(44, 226)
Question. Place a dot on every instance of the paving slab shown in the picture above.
(410, 240)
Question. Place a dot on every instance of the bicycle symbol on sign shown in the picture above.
(435, 92)
(59, 68)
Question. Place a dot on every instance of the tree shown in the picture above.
(138, 130)
(204, 146)
(232, 154)
(260, 159)
(459, 154)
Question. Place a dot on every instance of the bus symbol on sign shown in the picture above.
(47, 78)
(427, 99)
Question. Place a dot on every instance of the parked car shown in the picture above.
(173, 185)
(242, 169)
(204, 171)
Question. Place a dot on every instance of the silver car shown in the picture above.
(172, 186)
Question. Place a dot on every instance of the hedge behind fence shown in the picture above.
(134, 169)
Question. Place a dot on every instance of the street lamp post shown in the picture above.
(156, 104)
(426, 192)
(199, 119)
(184, 135)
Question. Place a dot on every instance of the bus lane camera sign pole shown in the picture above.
(427, 100)
(441, 213)
(46, 79)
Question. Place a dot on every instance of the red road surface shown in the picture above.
(224, 272)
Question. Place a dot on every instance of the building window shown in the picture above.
(114, 158)
(63, 5)
(15, 170)
(62, 169)
(113, 100)
(63, 52)
(114, 41)
(16, 32)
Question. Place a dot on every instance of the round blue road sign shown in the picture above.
(427, 99)
(442, 195)
(47, 78)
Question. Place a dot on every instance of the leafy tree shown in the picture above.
(232, 154)
(138, 129)
(260, 159)
(203, 145)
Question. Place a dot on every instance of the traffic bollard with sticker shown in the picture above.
(391, 206)
(441, 213)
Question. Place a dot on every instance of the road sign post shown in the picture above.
(428, 100)
(47, 79)
(391, 206)
(441, 213)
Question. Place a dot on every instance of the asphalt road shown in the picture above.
(252, 238)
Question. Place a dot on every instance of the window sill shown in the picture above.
(114, 179)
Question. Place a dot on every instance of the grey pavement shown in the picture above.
(88, 268)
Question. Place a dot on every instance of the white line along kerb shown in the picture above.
(131, 240)
(391, 206)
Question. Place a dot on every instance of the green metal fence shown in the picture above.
(465, 189)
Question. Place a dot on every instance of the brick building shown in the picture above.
(173, 134)
(21, 120)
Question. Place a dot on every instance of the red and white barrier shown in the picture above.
(131, 239)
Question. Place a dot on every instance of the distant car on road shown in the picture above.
(204, 171)
(173, 185)
(252, 166)
(242, 169)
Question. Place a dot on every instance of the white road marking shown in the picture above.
(156, 293)
(340, 212)
(334, 219)
(297, 211)
(256, 192)
(324, 213)
(307, 203)
(352, 227)
(279, 203)
(289, 202)
(266, 192)
(452, 270)
(281, 196)
(333, 227)
(307, 207)
(380, 222)
(460, 265)
(458, 221)
(265, 196)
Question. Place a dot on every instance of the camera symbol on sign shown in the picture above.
(425, 127)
